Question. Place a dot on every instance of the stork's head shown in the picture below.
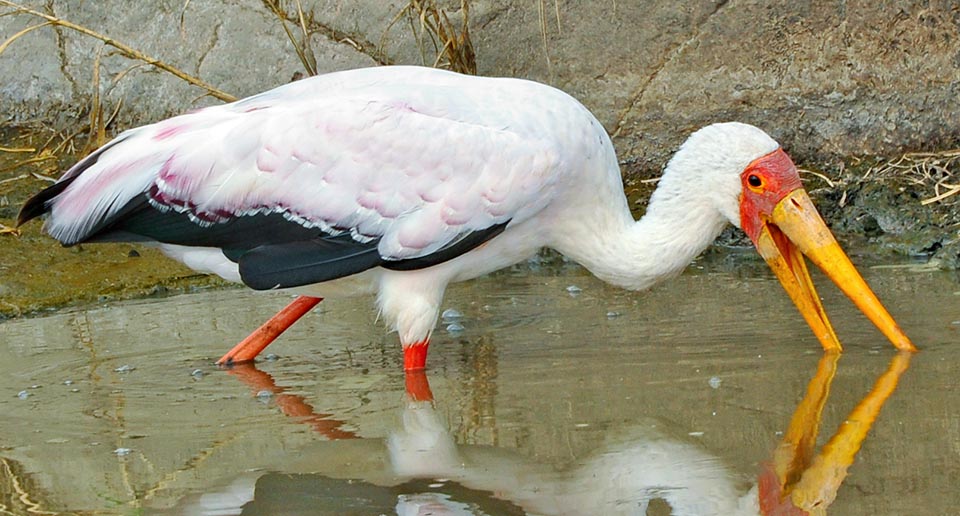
(757, 187)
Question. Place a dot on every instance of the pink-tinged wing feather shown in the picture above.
(414, 157)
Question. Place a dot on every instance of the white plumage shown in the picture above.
(413, 161)
(415, 156)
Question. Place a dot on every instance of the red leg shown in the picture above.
(415, 356)
(251, 346)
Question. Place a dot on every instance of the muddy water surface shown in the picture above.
(549, 399)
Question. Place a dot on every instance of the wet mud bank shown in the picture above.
(38, 274)
(888, 219)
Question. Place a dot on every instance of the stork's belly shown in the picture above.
(516, 244)
(208, 260)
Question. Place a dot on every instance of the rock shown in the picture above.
(833, 80)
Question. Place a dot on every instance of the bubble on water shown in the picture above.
(126, 368)
(451, 314)
(574, 290)
(715, 382)
(197, 374)
(612, 314)
(265, 396)
(23, 395)
(271, 357)
(120, 452)
(455, 328)
(695, 434)
(68, 382)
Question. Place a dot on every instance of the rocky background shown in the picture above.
(843, 85)
(830, 79)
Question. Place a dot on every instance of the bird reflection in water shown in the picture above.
(797, 482)
(622, 478)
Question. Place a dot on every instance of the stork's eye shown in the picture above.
(754, 181)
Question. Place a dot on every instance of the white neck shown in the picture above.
(697, 196)
(637, 254)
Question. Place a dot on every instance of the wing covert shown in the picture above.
(413, 164)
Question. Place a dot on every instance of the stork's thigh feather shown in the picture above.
(208, 260)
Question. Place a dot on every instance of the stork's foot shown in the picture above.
(257, 341)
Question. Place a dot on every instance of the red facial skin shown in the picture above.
(778, 177)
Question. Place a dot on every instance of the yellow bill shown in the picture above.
(793, 230)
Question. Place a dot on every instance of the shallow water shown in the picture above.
(673, 401)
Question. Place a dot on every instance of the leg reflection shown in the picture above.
(292, 405)
(418, 386)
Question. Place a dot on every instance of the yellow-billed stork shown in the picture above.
(400, 180)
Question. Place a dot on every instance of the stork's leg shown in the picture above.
(251, 346)
(409, 303)
(415, 355)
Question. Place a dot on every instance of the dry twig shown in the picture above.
(302, 47)
(826, 179)
(7, 230)
(542, 17)
(39, 158)
(17, 149)
(452, 46)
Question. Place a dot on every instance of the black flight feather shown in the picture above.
(38, 204)
(304, 262)
(461, 245)
(298, 263)
(241, 233)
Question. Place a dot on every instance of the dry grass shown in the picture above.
(939, 171)
(301, 46)
(45, 145)
(124, 50)
(452, 47)
(542, 18)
